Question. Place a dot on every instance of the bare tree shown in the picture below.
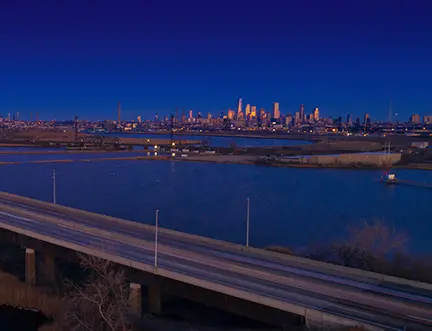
(102, 302)
(370, 246)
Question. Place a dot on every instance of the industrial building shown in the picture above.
(369, 159)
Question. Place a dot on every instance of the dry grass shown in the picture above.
(16, 293)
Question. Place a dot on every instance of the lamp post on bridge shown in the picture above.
(247, 221)
(54, 186)
(156, 239)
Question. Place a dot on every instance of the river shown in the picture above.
(289, 206)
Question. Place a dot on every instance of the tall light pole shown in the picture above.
(247, 221)
(54, 187)
(156, 239)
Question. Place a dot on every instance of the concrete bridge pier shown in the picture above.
(30, 266)
(135, 300)
(154, 298)
(48, 268)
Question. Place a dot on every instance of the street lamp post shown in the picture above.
(156, 239)
(54, 187)
(247, 221)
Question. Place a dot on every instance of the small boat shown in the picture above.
(389, 178)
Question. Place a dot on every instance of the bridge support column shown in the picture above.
(135, 300)
(30, 266)
(49, 268)
(154, 298)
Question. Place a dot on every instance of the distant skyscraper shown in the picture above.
(231, 114)
(415, 119)
(139, 119)
(247, 111)
(253, 112)
(297, 118)
(316, 114)
(349, 119)
(239, 105)
(276, 111)
(427, 119)
(262, 114)
(365, 119)
(190, 114)
(302, 113)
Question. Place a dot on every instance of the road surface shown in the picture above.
(266, 275)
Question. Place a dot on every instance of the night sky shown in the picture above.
(61, 58)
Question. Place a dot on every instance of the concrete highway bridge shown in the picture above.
(269, 286)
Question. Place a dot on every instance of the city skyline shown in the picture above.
(62, 59)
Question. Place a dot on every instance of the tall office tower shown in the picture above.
(230, 114)
(17, 116)
(262, 114)
(366, 118)
(8, 117)
(139, 119)
(247, 111)
(276, 111)
(209, 116)
(302, 113)
(253, 112)
(316, 114)
(118, 113)
(239, 105)
(190, 114)
(349, 119)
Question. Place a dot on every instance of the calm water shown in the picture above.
(292, 207)
(224, 141)
(68, 156)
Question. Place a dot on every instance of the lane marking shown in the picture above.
(420, 318)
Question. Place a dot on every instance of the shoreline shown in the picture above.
(217, 159)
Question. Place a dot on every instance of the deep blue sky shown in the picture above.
(62, 58)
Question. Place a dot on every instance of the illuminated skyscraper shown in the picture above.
(247, 110)
(231, 114)
(302, 113)
(415, 119)
(239, 105)
(276, 111)
(316, 114)
(139, 119)
(190, 114)
(253, 112)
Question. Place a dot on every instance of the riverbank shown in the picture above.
(218, 159)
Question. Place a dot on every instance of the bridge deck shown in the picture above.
(293, 284)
